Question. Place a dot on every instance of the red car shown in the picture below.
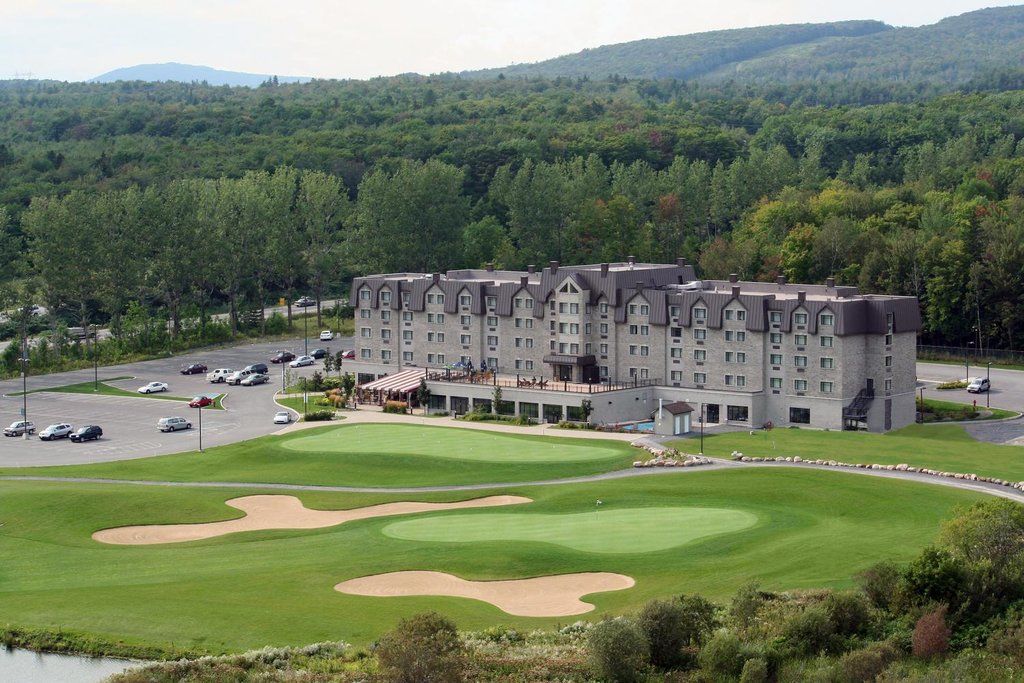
(348, 355)
(200, 402)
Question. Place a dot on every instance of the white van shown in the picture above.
(173, 424)
(236, 377)
(219, 375)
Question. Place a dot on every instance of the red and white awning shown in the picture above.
(402, 382)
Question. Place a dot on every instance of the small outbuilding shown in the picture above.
(673, 419)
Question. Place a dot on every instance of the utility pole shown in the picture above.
(24, 374)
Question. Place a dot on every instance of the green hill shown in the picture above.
(952, 51)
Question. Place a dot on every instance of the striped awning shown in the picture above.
(402, 382)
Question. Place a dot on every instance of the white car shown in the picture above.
(236, 377)
(153, 388)
(218, 375)
(302, 361)
(58, 431)
(978, 385)
(173, 424)
(282, 418)
(326, 335)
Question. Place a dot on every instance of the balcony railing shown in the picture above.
(518, 381)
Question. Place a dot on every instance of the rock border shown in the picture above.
(664, 456)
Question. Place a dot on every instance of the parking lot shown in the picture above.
(129, 422)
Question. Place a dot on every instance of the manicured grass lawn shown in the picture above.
(942, 447)
(295, 403)
(374, 455)
(813, 529)
(109, 390)
(951, 410)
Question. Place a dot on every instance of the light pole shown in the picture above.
(305, 334)
(988, 378)
(95, 360)
(701, 429)
(24, 378)
(922, 405)
(200, 427)
(967, 359)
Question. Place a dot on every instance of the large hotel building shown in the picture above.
(635, 338)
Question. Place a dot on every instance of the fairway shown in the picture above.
(630, 530)
(454, 444)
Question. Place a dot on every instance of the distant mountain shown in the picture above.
(952, 51)
(189, 73)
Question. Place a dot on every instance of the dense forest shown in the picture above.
(177, 197)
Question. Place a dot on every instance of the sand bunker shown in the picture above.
(543, 596)
(281, 512)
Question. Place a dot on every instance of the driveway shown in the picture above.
(1007, 393)
(129, 423)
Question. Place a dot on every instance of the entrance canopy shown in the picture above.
(401, 382)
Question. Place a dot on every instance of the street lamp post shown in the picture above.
(24, 378)
(200, 427)
(95, 360)
(988, 378)
(701, 429)
(921, 411)
(305, 334)
(967, 359)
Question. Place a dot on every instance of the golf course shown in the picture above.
(243, 567)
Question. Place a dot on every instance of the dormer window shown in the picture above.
(700, 314)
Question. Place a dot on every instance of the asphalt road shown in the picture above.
(129, 422)
(1007, 392)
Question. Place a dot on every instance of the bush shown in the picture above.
(755, 670)
(424, 648)
(700, 618)
(809, 632)
(663, 624)
(566, 424)
(864, 665)
(880, 583)
(955, 384)
(848, 612)
(745, 605)
(618, 651)
(1008, 641)
(931, 635)
(723, 656)
(935, 576)
(319, 416)
(396, 407)
(276, 324)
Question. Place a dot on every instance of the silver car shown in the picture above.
(61, 430)
(173, 424)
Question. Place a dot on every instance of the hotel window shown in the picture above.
(528, 303)
(385, 297)
(828, 363)
(407, 335)
(645, 309)
(563, 328)
(385, 354)
(519, 322)
(440, 298)
(431, 336)
(465, 319)
(364, 313)
(574, 349)
(728, 380)
(676, 332)
(741, 357)
(700, 334)
(700, 355)
(602, 307)
(775, 316)
(405, 299)
(529, 323)
(407, 316)
(677, 376)
(365, 332)
(574, 328)
(700, 378)
(700, 314)
(519, 364)
(729, 356)
(492, 340)
(645, 330)
(826, 387)
(741, 380)
(775, 359)
(775, 337)
(800, 384)
(519, 302)
(465, 300)
(364, 295)
(775, 382)
(827, 319)
(800, 361)
(741, 315)
(431, 298)
(465, 360)
(551, 326)
(800, 318)
(888, 384)
(890, 320)
(826, 342)
(529, 343)
(888, 361)
(800, 339)
(492, 321)
(603, 329)
(603, 348)
(588, 348)
(645, 350)
(737, 413)
(407, 356)
(440, 358)
(633, 349)
(465, 339)
(603, 369)
(800, 416)
(518, 342)
(588, 328)
(676, 352)
(632, 309)
(529, 365)
(385, 315)
(673, 311)
(491, 302)
(430, 358)
(563, 347)
(440, 337)
(365, 353)
(574, 308)
(492, 363)
(729, 314)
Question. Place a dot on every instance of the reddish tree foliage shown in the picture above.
(931, 635)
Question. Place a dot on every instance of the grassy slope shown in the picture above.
(953, 407)
(943, 447)
(276, 587)
(373, 455)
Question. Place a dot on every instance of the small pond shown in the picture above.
(26, 666)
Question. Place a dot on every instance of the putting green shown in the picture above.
(452, 444)
(630, 530)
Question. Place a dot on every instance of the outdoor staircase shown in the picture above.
(859, 406)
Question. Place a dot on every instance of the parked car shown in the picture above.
(87, 433)
(302, 361)
(282, 357)
(978, 385)
(304, 302)
(318, 353)
(200, 402)
(61, 430)
(219, 375)
(348, 354)
(153, 388)
(20, 428)
(173, 424)
(258, 367)
(193, 369)
(254, 379)
(236, 377)
(282, 418)
(326, 335)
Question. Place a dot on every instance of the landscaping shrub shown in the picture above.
(809, 632)
(663, 624)
(700, 618)
(396, 407)
(880, 583)
(955, 384)
(864, 665)
(319, 416)
(745, 604)
(935, 576)
(723, 656)
(848, 612)
(618, 651)
(425, 648)
(931, 635)
(566, 424)
(1008, 641)
(755, 670)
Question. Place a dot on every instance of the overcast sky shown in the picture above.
(79, 39)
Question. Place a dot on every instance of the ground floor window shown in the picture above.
(574, 413)
(800, 416)
(436, 401)
(482, 404)
(530, 410)
(552, 413)
(459, 405)
(738, 413)
(506, 407)
(365, 377)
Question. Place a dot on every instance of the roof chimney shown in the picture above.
(631, 260)
(436, 277)
(780, 280)
(490, 267)
(639, 285)
(830, 282)
(734, 278)
(680, 261)
(524, 280)
(531, 269)
(801, 296)
(604, 270)
(553, 265)
(735, 291)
